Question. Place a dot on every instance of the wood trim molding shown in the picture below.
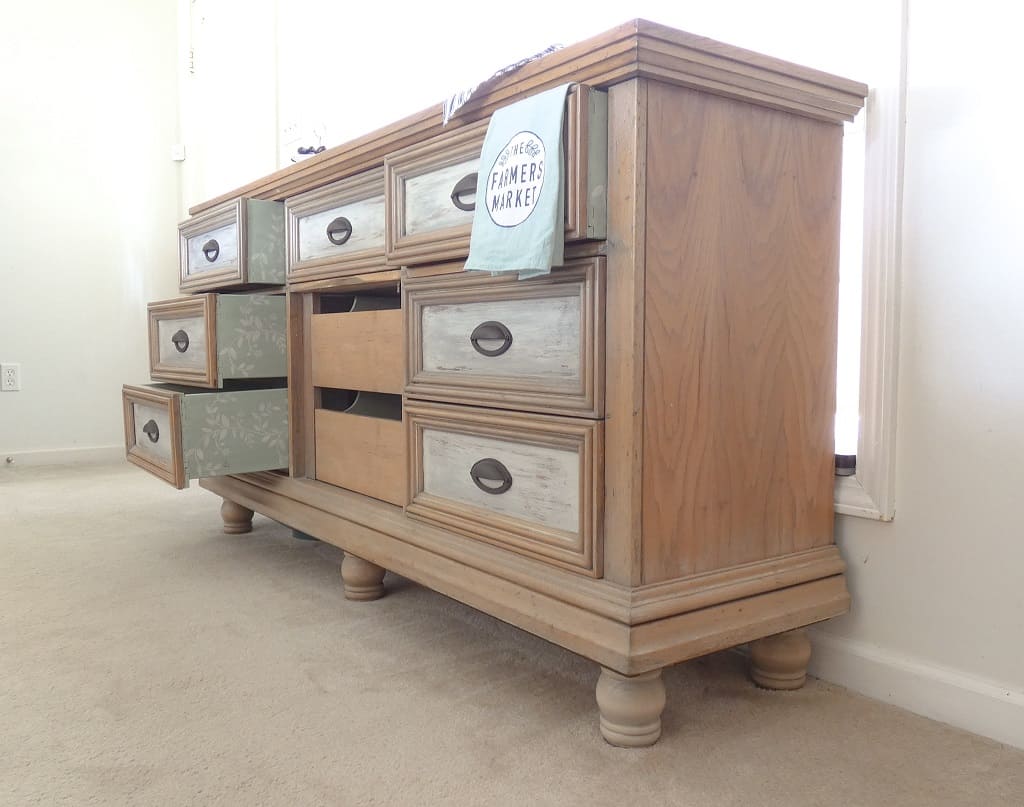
(346, 192)
(232, 210)
(584, 399)
(871, 492)
(634, 49)
(201, 306)
(174, 472)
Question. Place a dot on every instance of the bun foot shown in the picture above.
(630, 707)
(363, 580)
(237, 519)
(780, 661)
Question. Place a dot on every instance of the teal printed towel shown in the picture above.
(518, 225)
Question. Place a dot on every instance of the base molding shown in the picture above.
(92, 455)
(939, 693)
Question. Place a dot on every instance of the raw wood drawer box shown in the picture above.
(235, 245)
(208, 339)
(179, 434)
(632, 457)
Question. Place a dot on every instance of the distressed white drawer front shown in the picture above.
(220, 244)
(431, 186)
(338, 229)
(365, 229)
(428, 198)
(543, 338)
(153, 435)
(544, 481)
(527, 483)
(534, 345)
(194, 357)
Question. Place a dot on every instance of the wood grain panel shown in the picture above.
(361, 350)
(740, 333)
(360, 453)
(624, 323)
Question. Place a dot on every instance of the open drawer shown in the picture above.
(205, 340)
(178, 433)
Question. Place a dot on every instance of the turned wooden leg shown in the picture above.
(363, 580)
(237, 519)
(780, 661)
(630, 707)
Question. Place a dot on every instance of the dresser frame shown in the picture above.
(717, 504)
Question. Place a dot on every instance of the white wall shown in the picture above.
(938, 595)
(88, 231)
(938, 605)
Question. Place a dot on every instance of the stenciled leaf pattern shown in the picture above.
(235, 432)
(252, 340)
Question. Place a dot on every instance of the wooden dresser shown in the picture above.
(631, 457)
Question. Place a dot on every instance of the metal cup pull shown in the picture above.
(490, 476)
(211, 249)
(465, 187)
(491, 331)
(180, 340)
(339, 231)
(152, 431)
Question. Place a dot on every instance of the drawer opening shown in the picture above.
(354, 303)
(242, 384)
(358, 402)
(360, 443)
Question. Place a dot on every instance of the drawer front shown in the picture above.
(534, 344)
(337, 230)
(363, 448)
(235, 245)
(526, 483)
(179, 435)
(207, 339)
(358, 350)
(431, 187)
(152, 432)
(182, 340)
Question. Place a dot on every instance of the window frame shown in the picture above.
(870, 491)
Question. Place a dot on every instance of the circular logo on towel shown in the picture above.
(515, 181)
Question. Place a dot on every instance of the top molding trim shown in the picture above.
(636, 49)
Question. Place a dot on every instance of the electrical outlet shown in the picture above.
(10, 377)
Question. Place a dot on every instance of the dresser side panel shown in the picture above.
(741, 292)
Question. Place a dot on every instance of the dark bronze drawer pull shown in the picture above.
(490, 476)
(152, 431)
(491, 332)
(339, 231)
(211, 249)
(465, 187)
(180, 340)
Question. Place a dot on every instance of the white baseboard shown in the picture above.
(949, 696)
(94, 455)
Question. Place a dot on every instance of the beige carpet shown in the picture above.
(148, 659)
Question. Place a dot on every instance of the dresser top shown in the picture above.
(638, 48)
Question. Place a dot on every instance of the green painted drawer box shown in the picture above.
(235, 245)
(207, 339)
(178, 433)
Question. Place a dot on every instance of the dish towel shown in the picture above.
(518, 224)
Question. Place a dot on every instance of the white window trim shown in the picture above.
(870, 493)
